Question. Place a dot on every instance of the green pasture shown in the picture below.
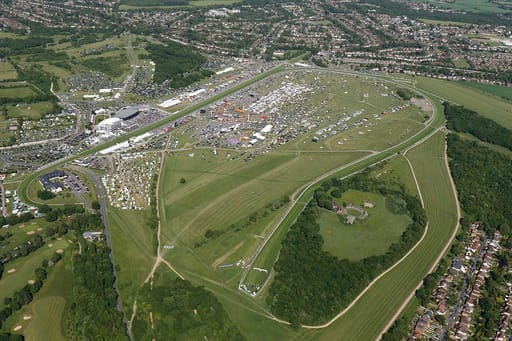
(491, 107)
(132, 245)
(140, 4)
(30, 110)
(443, 22)
(17, 92)
(496, 90)
(476, 6)
(461, 63)
(369, 237)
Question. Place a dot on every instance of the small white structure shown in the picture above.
(228, 69)
(266, 129)
(170, 103)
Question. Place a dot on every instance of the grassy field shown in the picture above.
(62, 198)
(397, 170)
(491, 107)
(369, 316)
(7, 71)
(461, 63)
(470, 5)
(138, 4)
(496, 90)
(30, 110)
(24, 268)
(443, 22)
(132, 245)
(369, 237)
(48, 309)
(219, 193)
(17, 92)
(23, 232)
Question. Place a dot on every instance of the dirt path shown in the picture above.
(159, 259)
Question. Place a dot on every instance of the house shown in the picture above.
(92, 236)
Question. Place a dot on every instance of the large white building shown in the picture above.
(106, 126)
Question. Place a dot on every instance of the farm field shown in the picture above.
(497, 90)
(491, 107)
(367, 318)
(137, 4)
(478, 6)
(17, 92)
(7, 71)
(31, 110)
(364, 238)
(443, 22)
(132, 244)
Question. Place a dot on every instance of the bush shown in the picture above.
(45, 195)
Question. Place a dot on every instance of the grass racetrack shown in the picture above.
(491, 107)
(132, 245)
(367, 319)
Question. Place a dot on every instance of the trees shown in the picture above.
(463, 120)
(312, 285)
(95, 205)
(182, 311)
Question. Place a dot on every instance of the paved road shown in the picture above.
(104, 217)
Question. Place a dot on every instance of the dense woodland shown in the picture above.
(312, 285)
(94, 307)
(182, 311)
(483, 180)
(180, 64)
(463, 120)
(484, 183)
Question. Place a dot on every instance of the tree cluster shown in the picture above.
(94, 308)
(182, 311)
(26, 294)
(483, 180)
(45, 195)
(312, 285)
(181, 65)
(463, 120)
(406, 94)
(21, 250)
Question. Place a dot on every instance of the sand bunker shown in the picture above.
(27, 317)
(60, 251)
(29, 233)
(10, 271)
(16, 328)
(50, 245)
(31, 281)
